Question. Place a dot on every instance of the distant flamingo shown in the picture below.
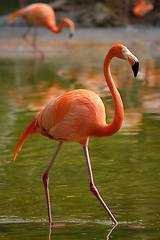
(23, 3)
(76, 115)
(41, 14)
(143, 7)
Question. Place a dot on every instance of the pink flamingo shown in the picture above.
(76, 115)
(41, 14)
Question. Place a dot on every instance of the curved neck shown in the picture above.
(56, 29)
(116, 123)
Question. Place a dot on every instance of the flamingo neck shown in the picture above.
(116, 123)
(58, 29)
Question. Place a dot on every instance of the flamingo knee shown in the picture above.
(94, 189)
(45, 180)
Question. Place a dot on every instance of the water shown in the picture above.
(125, 166)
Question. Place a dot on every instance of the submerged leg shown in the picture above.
(25, 35)
(93, 188)
(46, 181)
(33, 43)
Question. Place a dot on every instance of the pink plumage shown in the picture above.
(79, 114)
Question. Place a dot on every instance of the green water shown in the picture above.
(126, 166)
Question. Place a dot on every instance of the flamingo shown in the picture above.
(41, 14)
(78, 114)
(143, 7)
(23, 3)
(123, 8)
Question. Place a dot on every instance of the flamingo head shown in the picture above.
(71, 31)
(133, 61)
(122, 52)
(70, 24)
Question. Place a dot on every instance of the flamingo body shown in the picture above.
(64, 116)
(72, 111)
(38, 14)
(79, 114)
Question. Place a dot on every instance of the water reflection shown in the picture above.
(127, 172)
(69, 231)
(37, 84)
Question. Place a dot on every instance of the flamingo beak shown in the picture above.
(71, 32)
(133, 61)
(135, 68)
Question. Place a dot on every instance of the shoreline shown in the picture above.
(85, 39)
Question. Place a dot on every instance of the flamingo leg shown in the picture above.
(126, 8)
(92, 186)
(46, 181)
(25, 35)
(33, 43)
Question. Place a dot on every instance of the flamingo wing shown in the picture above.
(72, 116)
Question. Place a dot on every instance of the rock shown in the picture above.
(98, 15)
(156, 21)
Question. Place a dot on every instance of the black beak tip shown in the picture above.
(70, 35)
(135, 68)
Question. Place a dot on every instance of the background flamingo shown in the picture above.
(23, 3)
(143, 7)
(79, 114)
(41, 14)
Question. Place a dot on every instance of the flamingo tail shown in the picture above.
(14, 15)
(29, 131)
